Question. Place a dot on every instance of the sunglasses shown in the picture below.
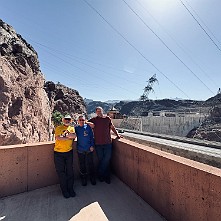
(82, 120)
(67, 119)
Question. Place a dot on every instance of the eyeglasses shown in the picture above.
(82, 120)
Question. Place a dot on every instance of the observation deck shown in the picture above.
(147, 184)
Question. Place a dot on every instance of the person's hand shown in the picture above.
(90, 124)
(91, 149)
(119, 136)
(71, 136)
(65, 133)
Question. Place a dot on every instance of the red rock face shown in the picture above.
(64, 99)
(26, 103)
(24, 107)
(25, 112)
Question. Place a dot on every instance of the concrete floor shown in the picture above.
(104, 202)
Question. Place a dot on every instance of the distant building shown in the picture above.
(114, 113)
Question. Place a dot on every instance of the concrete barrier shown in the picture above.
(178, 188)
(26, 167)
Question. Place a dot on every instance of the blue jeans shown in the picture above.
(104, 156)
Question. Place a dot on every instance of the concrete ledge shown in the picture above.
(206, 143)
(178, 188)
(27, 167)
(204, 154)
(13, 171)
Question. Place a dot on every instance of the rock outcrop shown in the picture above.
(24, 106)
(64, 99)
(210, 129)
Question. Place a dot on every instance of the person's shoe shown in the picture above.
(93, 181)
(84, 181)
(72, 193)
(107, 180)
(66, 195)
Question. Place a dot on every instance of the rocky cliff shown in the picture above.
(64, 99)
(210, 129)
(24, 107)
(26, 101)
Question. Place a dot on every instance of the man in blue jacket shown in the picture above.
(85, 149)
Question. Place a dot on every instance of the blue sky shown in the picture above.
(79, 49)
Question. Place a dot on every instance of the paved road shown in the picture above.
(201, 153)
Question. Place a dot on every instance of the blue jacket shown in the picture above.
(85, 137)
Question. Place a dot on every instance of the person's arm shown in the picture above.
(90, 124)
(62, 138)
(70, 135)
(58, 135)
(115, 131)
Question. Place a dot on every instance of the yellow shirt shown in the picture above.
(63, 145)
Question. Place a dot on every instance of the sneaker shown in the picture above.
(72, 193)
(93, 181)
(66, 195)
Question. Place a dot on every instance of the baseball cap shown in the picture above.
(67, 117)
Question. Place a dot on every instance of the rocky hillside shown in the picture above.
(24, 108)
(26, 101)
(64, 99)
(91, 106)
(140, 108)
(210, 129)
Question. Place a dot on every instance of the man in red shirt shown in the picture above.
(102, 125)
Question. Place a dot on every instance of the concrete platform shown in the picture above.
(101, 202)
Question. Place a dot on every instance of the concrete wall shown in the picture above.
(117, 122)
(130, 123)
(177, 126)
(178, 188)
(27, 167)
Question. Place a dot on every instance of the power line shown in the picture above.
(134, 47)
(178, 44)
(79, 82)
(125, 79)
(166, 45)
(77, 57)
(200, 25)
(79, 62)
(132, 92)
(203, 23)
